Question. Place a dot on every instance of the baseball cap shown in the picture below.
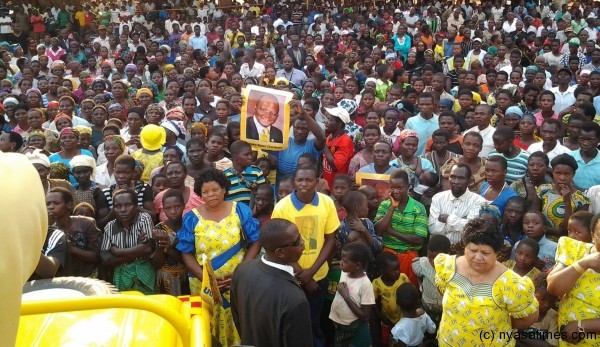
(574, 41)
(340, 113)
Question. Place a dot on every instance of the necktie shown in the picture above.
(264, 137)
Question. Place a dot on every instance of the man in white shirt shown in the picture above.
(510, 24)
(550, 131)
(250, 68)
(564, 94)
(483, 115)
(452, 209)
(283, 20)
(103, 38)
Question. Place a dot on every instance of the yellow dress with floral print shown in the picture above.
(480, 315)
(583, 301)
(213, 238)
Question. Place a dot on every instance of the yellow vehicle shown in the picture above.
(75, 311)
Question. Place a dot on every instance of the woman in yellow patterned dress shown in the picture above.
(481, 297)
(226, 232)
(575, 279)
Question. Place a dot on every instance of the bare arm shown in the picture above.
(192, 265)
(47, 267)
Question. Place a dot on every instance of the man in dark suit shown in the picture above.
(260, 125)
(268, 305)
(297, 53)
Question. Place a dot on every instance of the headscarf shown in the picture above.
(199, 126)
(407, 133)
(33, 90)
(491, 209)
(130, 67)
(529, 116)
(83, 130)
(177, 150)
(38, 157)
(349, 105)
(57, 63)
(36, 133)
(390, 55)
(318, 49)
(532, 68)
(115, 105)
(52, 103)
(229, 89)
(282, 79)
(60, 170)
(176, 113)
(63, 115)
(297, 91)
(142, 91)
(514, 110)
(116, 139)
(84, 160)
(69, 130)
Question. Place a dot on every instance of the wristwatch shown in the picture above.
(580, 327)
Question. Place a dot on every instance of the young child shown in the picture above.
(534, 227)
(423, 268)
(512, 229)
(285, 187)
(264, 201)
(159, 183)
(385, 288)
(264, 164)
(340, 187)
(579, 226)
(547, 319)
(351, 307)
(171, 274)
(84, 209)
(526, 254)
(411, 328)
(243, 176)
(372, 200)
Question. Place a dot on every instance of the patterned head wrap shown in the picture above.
(177, 150)
(491, 209)
(176, 113)
(62, 115)
(60, 170)
(84, 129)
(349, 105)
(33, 90)
(36, 133)
(407, 133)
(67, 131)
(199, 126)
(116, 139)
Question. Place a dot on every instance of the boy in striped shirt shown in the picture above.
(516, 158)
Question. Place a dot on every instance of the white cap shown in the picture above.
(340, 113)
(38, 157)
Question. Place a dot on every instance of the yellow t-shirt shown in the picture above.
(314, 221)
(80, 17)
(389, 308)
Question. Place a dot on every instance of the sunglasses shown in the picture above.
(294, 243)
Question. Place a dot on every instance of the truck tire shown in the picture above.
(87, 286)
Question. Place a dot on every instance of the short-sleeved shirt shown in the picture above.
(361, 292)
(389, 308)
(517, 166)
(553, 205)
(55, 246)
(314, 220)
(83, 234)
(587, 174)
(413, 220)
(242, 184)
(423, 127)
(287, 160)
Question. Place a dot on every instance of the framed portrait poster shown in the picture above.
(265, 118)
(380, 182)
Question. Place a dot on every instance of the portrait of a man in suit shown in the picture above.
(260, 126)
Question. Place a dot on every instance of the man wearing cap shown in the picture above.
(339, 147)
(573, 50)
(103, 38)
(260, 126)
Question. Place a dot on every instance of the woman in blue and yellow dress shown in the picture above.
(226, 233)
(575, 279)
(481, 297)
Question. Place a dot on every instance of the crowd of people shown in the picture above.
(482, 119)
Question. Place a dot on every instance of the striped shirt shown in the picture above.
(143, 192)
(244, 183)
(459, 210)
(517, 166)
(432, 299)
(127, 238)
(413, 221)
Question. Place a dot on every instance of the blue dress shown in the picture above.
(500, 201)
(57, 158)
